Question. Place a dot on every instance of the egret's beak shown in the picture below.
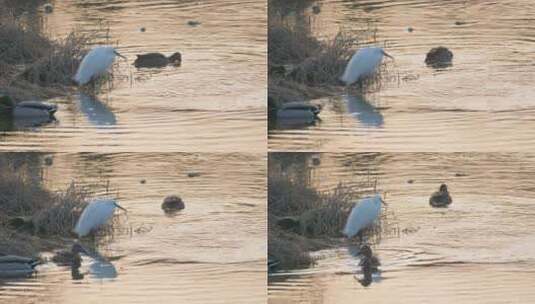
(384, 53)
(117, 205)
(117, 53)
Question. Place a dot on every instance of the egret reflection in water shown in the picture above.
(96, 111)
(100, 267)
(363, 111)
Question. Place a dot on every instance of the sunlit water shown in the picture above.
(479, 250)
(484, 102)
(215, 101)
(207, 253)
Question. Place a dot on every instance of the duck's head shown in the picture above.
(443, 188)
(6, 103)
(176, 58)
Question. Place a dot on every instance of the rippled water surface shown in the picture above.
(479, 250)
(207, 253)
(215, 101)
(484, 102)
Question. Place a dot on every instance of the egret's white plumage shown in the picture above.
(363, 214)
(363, 64)
(95, 63)
(96, 214)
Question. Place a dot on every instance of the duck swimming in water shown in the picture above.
(298, 112)
(157, 60)
(173, 203)
(27, 109)
(440, 198)
(13, 266)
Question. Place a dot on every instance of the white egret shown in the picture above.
(363, 63)
(440, 198)
(96, 214)
(96, 63)
(363, 215)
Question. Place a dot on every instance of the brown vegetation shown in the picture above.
(302, 219)
(34, 66)
(33, 218)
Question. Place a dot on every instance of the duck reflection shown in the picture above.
(99, 266)
(369, 265)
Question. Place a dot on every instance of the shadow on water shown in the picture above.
(364, 111)
(95, 110)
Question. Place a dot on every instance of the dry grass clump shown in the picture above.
(326, 66)
(317, 217)
(33, 218)
(292, 251)
(300, 66)
(34, 66)
(59, 65)
(61, 216)
(330, 218)
(303, 219)
(288, 198)
(12, 242)
(21, 44)
(290, 44)
(317, 214)
(38, 210)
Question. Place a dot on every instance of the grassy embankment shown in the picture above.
(303, 67)
(32, 218)
(302, 219)
(34, 66)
